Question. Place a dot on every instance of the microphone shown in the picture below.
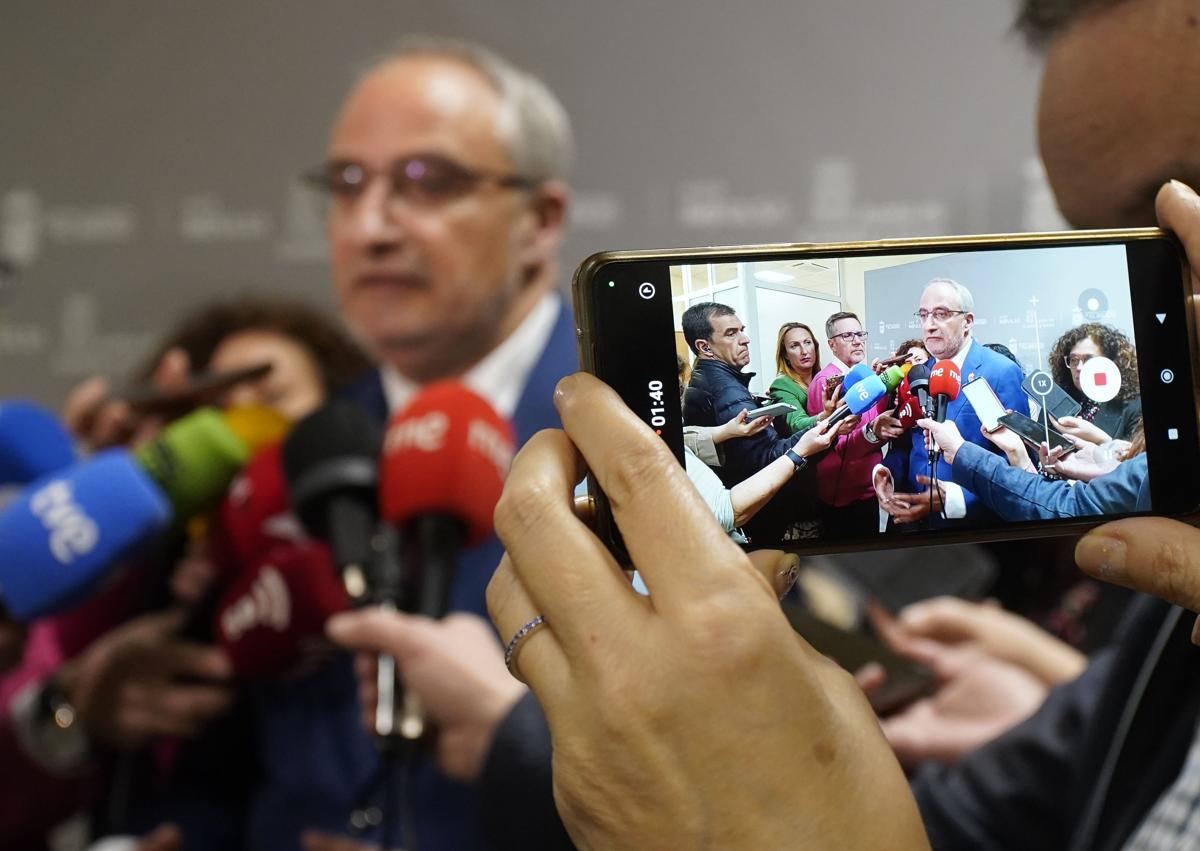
(918, 385)
(194, 458)
(331, 466)
(65, 531)
(893, 376)
(32, 443)
(944, 383)
(856, 374)
(860, 398)
(271, 620)
(445, 458)
(254, 516)
(909, 412)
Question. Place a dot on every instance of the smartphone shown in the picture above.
(1025, 292)
(1048, 396)
(985, 402)
(202, 388)
(775, 409)
(1035, 433)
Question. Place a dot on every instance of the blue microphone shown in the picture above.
(32, 443)
(856, 374)
(66, 530)
(859, 399)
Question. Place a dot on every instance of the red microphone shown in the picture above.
(447, 453)
(271, 620)
(445, 458)
(909, 412)
(254, 517)
(945, 380)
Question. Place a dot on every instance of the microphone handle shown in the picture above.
(437, 538)
(840, 414)
(396, 714)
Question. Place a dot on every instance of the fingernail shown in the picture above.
(564, 389)
(787, 574)
(1182, 187)
(1101, 555)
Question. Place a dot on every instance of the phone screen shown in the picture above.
(1034, 432)
(985, 402)
(1103, 316)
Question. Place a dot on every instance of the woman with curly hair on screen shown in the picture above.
(1098, 422)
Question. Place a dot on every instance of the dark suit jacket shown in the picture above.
(1005, 378)
(317, 757)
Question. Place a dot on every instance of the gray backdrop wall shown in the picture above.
(148, 150)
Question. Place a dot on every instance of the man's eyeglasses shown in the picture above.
(422, 180)
(1076, 361)
(850, 336)
(939, 314)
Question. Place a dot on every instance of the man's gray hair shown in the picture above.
(966, 301)
(1038, 21)
(535, 127)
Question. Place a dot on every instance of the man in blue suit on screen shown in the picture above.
(947, 316)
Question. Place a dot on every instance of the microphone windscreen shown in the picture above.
(865, 393)
(68, 529)
(331, 453)
(909, 412)
(918, 377)
(892, 377)
(447, 453)
(944, 379)
(856, 374)
(193, 460)
(254, 516)
(32, 443)
(273, 616)
(256, 426)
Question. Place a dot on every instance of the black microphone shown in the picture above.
(918, 385)
(331, 462)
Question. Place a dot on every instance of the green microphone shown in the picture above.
(194, 459)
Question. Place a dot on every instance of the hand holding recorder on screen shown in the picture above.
(649, 699)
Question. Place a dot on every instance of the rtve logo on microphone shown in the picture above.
(72, 532)
(492, 444)
(426, 433)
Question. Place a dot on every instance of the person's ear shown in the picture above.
(545, 222)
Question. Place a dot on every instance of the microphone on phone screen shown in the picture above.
(918, 385)
(854, 375)
(859, 399)
(944, 385)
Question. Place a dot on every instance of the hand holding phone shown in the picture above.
(623, 332)
(1082, 429)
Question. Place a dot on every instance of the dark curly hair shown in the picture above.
(202, 331)
(1116, 347)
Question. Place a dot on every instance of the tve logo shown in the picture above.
(72, 532)
(426, 433)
